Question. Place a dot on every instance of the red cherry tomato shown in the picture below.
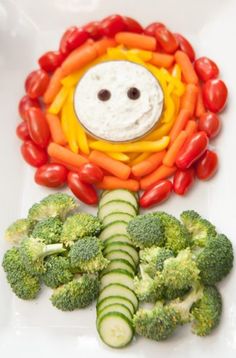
(210, 123)
(36, 83)
(214, 93)
(185, 46)
(90, 173)
(84, 192)
(207, 165)
(51, 175)
(150, 30)
(183, 180)
(72, 38)
(22, 131)
(51, 60)
(132, 25)
(38, 127)
(206, 69)
(33, 155)
(111, 25)
(25, 103)
(156, 194)
(166, 39)
(94, 29)
(192, 150)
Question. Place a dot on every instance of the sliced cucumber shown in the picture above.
(116, 206)
(115, 238)
(120, 254)
(116, 289)
(117, 217)
(116, 307)
(115, 228)
(119, 194)
(115, 300)
(117, 276)
(119, 264)
(115, 329)
(124, 246)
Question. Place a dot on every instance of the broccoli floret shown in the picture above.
(57, 271)
(24, 285)
(78, 226)
(146, 231)
(176, 235)
(215, 260)
(58, 204)
(154, 258)
(18, 230)
(200, 229)
(147, 288)
(48, 230)
(33, 251)
(86, 255)
(78, 293)
(206, 312)
(158, 323)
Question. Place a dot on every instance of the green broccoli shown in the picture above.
(146, 231)
(18, 230)
(57, 271)
(158, 323)
(147, 288)
(153, 258)
(206, 312)
(58, 204)
(78, 226)
(33, 251)
(199, 228)
(78, 293)
(176, 235)
(24, 285)
(86, 255)
(48, 230)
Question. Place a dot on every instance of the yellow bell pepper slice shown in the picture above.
(59, 100)
(140, 158)
(118, 156)
(176, 72)
(161, 132)
(142, 54)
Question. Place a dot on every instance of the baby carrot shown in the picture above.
(189, 99)
(56, 131)
(57, 152)
(162, 172)
(139, 158)
(186, 66)
(110, 183)
(172, 152)
(200, 108)
(53, 87)
(136, 41)
(191, 128)
(149, 165)
(161, 60)
(111, 165)
(102, 45)
(179, 124)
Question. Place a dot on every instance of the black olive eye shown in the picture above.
(133, 93)
(104, 95)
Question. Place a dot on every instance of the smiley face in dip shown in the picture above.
(118, 101)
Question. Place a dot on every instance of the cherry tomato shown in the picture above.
(150, 30)
(36, 83)
(33, 155)
(72, 38)
(166, 39)
(90, 173)
(111, 25)
(84, 192)
(38, 127)
(192, 150)
(206, 69)
(185, 46)
(51, 60)
(22, 131)
(156, 194)
(25, 103)
(132, 25)
(210, 123)
(207, 165)
(214, 93)
(94, 29)
(183, 180)
(51, 175)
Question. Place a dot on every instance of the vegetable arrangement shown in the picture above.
(64, 153)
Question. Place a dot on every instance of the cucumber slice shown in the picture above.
(116, 289)
(115, 329)
(116, 307)
(117, 276)
(119, 194)
(119, 264)
(115, 228)
(116, 300)
(120, 254)
(115, 238)
(124, 246)
(114, 207)
(117, 217)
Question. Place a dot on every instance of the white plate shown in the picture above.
(29, 28)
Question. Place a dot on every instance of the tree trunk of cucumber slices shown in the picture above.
(117, 301)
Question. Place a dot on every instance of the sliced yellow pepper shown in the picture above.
(116, 53)
(118, 156)
(160, 132)
(142, 54)
(176, 72)
(59, 100)
(140, 158)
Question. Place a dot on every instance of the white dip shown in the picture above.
(119, 118)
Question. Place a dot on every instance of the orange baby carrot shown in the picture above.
(162, 172)
(57, 152)
(57, 133)
(101, 46)
(172, 152)
(148, 165)
(180, 123)
(200, 108)
(136, 41)
(162, 60)
(53, 87)
(189, 99)
(111, 165)
(186, 66)
(191, 128)
(110, 183)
